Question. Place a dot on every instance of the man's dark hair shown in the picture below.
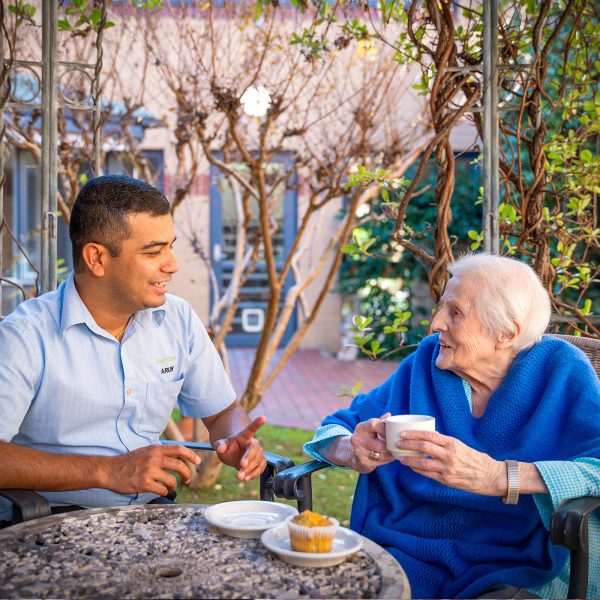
(100, 212)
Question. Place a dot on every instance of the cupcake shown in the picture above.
(311, 532)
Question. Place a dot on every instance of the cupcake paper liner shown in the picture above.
(311, 539)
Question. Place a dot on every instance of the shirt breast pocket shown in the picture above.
(161, 397)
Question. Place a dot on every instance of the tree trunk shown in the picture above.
(206, 473)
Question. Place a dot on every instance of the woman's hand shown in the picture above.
(453, 463)
(367, 446)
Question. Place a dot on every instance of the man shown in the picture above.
(92, 371)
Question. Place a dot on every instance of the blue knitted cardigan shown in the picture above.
(453, 543)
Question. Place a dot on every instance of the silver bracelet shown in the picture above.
(512, 489)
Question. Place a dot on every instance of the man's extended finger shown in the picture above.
(181, 452)
(248, 432)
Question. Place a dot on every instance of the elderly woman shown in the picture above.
(517, 432)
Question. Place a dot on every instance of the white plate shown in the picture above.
(345, 543)
(247, 518)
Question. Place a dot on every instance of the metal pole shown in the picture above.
(2, 91)
(49, 148)
(491, 186)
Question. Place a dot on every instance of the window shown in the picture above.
(119, 163)
(253, 299)
(22, 213)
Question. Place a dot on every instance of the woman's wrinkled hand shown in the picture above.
(453, 463)
(368, 446)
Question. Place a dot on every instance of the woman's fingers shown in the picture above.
(451, 462)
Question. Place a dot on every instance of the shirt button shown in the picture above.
(129, 391)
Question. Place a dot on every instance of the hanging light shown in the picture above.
(256, 101)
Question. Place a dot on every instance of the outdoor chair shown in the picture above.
(28, 505)
(569, 526)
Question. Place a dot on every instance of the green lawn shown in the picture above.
(333, 489)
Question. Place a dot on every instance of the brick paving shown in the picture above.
(308, 388)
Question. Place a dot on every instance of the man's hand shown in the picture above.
(243, 451)
(147, 470)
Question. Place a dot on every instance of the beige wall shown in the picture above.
(324, 333)
(193, 282)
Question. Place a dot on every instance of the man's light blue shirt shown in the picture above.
(67, 386)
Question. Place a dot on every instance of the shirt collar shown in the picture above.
(74, 311)
(143, 316)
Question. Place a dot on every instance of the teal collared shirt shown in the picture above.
(67, 386)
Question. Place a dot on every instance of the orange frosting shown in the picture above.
(308, 518)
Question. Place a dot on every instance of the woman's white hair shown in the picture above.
(509, 292)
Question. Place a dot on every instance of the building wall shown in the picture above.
(324, 332)
(193, 281)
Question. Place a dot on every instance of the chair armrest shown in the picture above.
(569, 528)
(296, 483)
(26, 505)
(275, 464)
(279, 462)
(567, 522)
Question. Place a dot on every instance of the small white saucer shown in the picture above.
(345, 543)
(247, 518)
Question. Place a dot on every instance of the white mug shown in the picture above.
(398, 423)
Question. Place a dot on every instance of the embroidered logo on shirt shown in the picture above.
(165, 359)
(166, 370)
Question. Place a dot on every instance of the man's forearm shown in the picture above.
(26, 468)
(226, 423)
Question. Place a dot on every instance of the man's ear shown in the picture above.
(96, 257)
(505, 340)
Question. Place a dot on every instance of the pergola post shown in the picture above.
(491, 187)
(2, 92)
(49, 149)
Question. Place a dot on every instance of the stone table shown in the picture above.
(163, 551)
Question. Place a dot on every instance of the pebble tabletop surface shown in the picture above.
(171, 552)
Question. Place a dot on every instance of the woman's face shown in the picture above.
(465, 346)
